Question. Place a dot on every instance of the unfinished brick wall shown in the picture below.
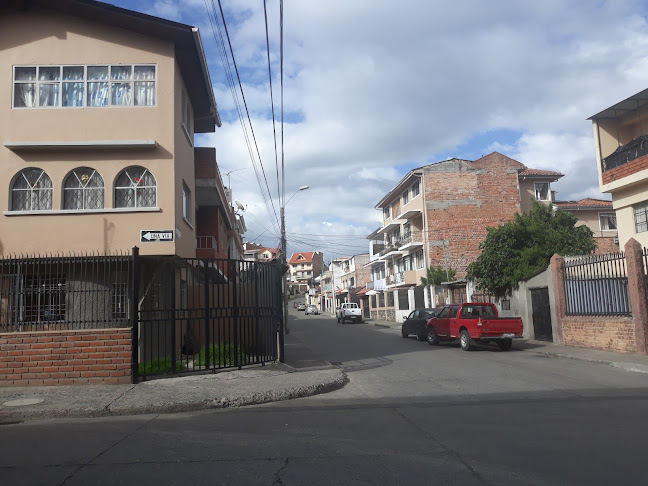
(626, 169)
(605, 245)
(463, 199)
(600, 332)
(65, 357)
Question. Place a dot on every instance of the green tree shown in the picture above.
(524, 246)
(436, 275)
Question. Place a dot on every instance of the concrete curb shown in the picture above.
(142, 399)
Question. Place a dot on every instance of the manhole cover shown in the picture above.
(21, 402)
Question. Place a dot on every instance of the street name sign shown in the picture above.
(154, 236)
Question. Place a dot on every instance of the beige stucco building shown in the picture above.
(621, 137)
(98, 110)
(598, 215)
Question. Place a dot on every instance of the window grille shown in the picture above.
(31, 191)
(83, 189)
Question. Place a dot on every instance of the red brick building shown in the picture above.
(439, 213)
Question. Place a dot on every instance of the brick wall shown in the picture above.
(463, 198)
(605, 245)
(626, 169)
(65, 357)
(598, 332)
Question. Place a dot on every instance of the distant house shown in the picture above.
(621, 137)
(268, 254)
(599, 216)
(304, 267)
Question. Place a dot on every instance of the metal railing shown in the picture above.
(72, 292)
(412, 237)
(597, 285)
(626, 153)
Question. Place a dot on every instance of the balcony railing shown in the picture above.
(376, 284)
(407, 277)
(626, 153)
(389, 249)
(411, 237)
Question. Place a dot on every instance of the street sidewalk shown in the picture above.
(302, 375)
(629, 362)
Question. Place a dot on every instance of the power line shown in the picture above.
(274, 130)
(237, 103)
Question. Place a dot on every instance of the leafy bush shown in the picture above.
(158, 366)
(222, 354)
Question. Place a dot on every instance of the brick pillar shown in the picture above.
(637, 292)
(558, 281)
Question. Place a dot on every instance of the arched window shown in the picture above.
(83, 189)
(135, 187)
(31, 191)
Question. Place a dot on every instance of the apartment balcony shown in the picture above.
(376, 284)
(633, 150)
(392, 250)
(411, 241)
(207, 247)
(407, 277)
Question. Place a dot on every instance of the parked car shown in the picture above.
(350, 311)
(416, 322)
(301, 307)
(474, 323)
(311, 309)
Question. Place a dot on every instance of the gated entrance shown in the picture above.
(198, 315)
(541, 314)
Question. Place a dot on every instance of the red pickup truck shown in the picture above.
(473, 323)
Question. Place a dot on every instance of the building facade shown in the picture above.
(621, 137)
(599, 216)
(97, 135)
(438, 214)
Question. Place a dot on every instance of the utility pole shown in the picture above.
(284, 262)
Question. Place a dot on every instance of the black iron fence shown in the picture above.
(597, 285)
(65, 292)
(205, 314)
(187, 314)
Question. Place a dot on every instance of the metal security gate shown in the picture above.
(197, 315)
(541, 314)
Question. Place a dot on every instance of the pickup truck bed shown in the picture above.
(473, 323)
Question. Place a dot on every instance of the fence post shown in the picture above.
(235, 301)
(282, 314)
(174, 317)
(557, 264)
(135, 315)
(206, 297)
(637, 292)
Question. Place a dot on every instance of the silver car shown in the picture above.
(311, 309)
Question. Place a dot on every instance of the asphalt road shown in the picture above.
(411, 414)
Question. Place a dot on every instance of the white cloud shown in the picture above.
(382, 85)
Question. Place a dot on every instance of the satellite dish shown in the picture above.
(239, 205)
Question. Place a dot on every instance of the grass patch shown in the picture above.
(159, 366)
(222, 354)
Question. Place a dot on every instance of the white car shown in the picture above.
(311, 309)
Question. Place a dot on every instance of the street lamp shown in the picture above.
(283, 256)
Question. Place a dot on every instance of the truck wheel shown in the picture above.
(464, 339)
(432, 338)
(403, 333)
(505, 344)
(420, 334)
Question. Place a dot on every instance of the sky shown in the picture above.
(373, 89)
